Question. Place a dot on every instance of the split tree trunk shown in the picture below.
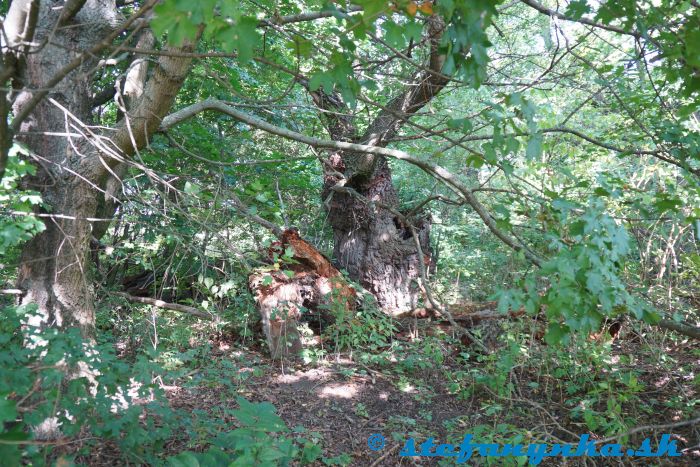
(78, 164)
(283, 300)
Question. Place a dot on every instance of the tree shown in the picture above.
(374, 244)
(52, 63)
(54, 58)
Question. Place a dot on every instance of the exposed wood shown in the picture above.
(475, 312)
(282, 300)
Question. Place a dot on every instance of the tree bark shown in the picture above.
(78, 175)
(371, 243)
(52, 270)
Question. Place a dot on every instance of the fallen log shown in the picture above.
(467, 312)
(472, 313)
(681, 328)
(309, 283)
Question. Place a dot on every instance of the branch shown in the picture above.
(434, 303)
(434, 170)
(549, 12)
(165, 305)
(70, 9)
(244, 209)
(104, 96)
(666, 426)
(157, 98)
(656, 154)
(685, 329)
(427, 85)
(309, 16)
(16, 33)
(20, 24)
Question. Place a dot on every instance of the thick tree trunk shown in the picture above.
(370, 242)
(79, 168)
(374, 246)
(53, 264)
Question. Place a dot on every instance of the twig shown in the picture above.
(385, 455)
(693, 421)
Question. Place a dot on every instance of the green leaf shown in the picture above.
(393, 34)
(8, 410)
(577, 8)
(241, 37)
(184, 459)
(534, 147)
(191, 188)
(556, 334)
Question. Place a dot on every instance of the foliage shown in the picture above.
(17, 223)
(584, 275)
(577, 133)
(258, 441)
(98, 397)
(365, 328)
(50, 373)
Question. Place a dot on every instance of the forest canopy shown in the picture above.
(489, 210)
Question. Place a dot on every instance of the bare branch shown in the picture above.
(549, 12)
(309, 16)
(156, 100)
(666, 426)
(427, 85)
(244, 209)
(20, 24)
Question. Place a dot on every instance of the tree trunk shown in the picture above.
(371, 242)
(374, 246)
(53, 264)
(79, 168)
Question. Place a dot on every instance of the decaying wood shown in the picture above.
(315, 285)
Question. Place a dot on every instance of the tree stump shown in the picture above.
(315, 286)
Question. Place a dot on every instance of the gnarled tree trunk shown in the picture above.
(371, 242)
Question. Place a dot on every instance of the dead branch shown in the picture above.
(167, 306)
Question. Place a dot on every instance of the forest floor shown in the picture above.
(345, 402)
(341, 402)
